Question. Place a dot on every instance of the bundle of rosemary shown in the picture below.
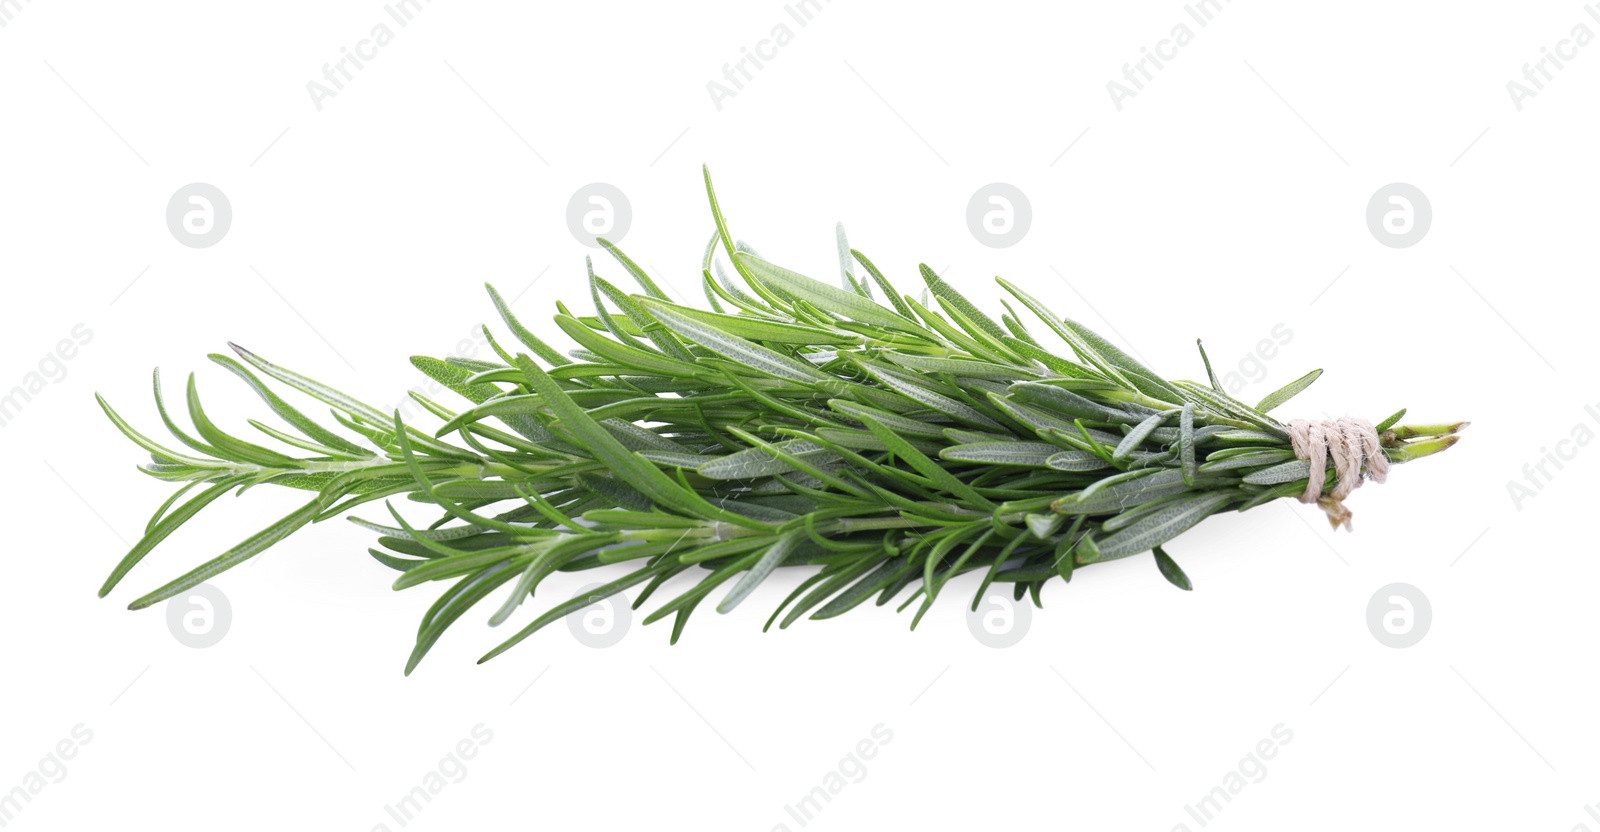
(889, 446)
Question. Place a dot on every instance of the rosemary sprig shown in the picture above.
(796, 424)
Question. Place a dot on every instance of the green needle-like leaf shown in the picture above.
(1288, 391)
(737, 349)
(1170, 571)
(252, 546)
(832, 298)
(1162, 526)
(770, 560)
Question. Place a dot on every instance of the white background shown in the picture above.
(1226, 198)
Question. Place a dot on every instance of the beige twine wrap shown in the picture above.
(1356, 453)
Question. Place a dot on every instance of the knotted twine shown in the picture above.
(1353, 446)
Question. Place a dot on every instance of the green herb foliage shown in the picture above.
(886, 447)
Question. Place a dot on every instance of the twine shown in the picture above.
(1352, 446)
